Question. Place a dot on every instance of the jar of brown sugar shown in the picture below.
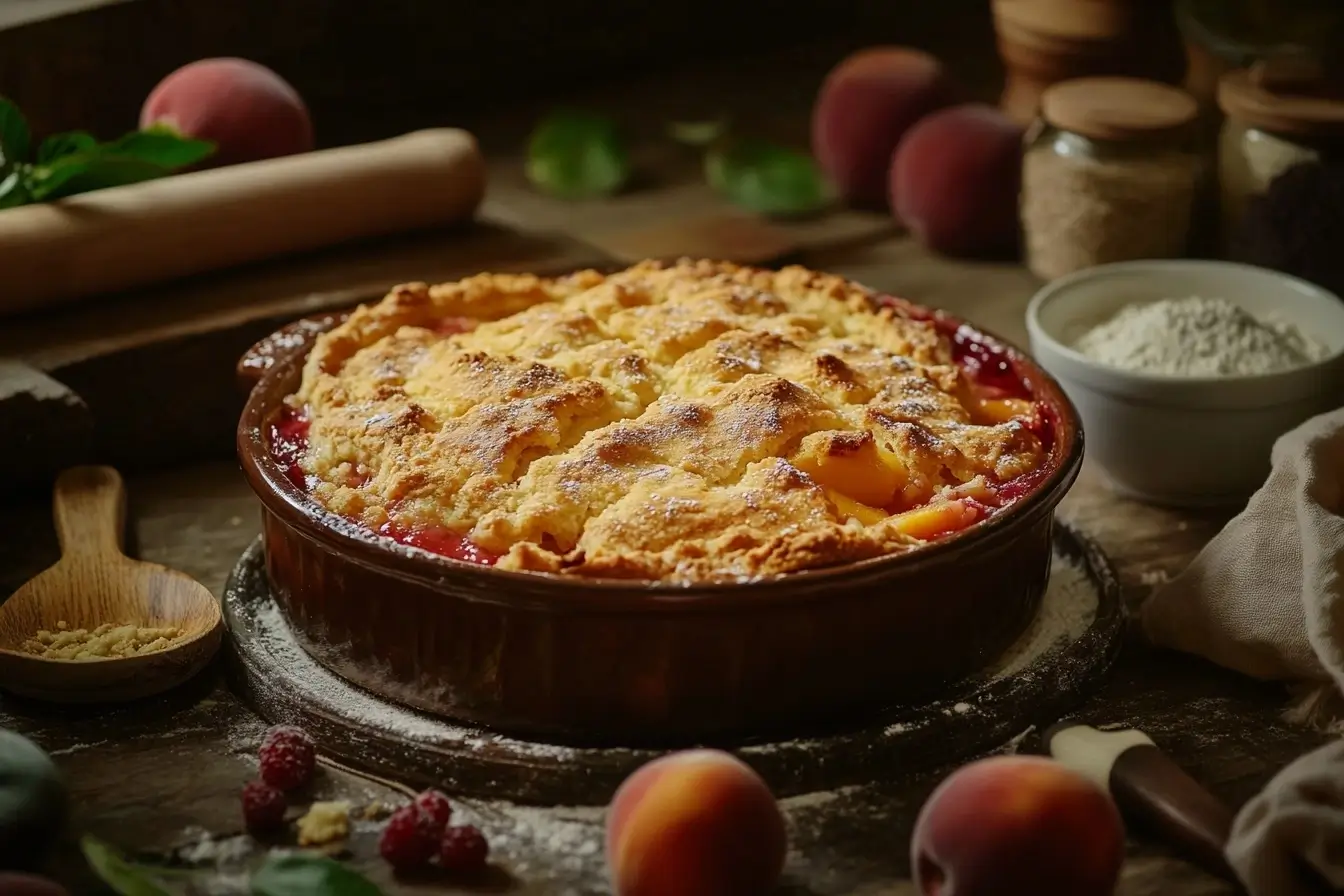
(1279, 114)
(1111, 172)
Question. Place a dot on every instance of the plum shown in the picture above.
(33, 803)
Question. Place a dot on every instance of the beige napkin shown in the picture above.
(1266, 597)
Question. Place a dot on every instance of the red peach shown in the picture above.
(955, 178)
(246, 109)
(29, 885)
(699, 821)
(865, 105)
(1017, 824)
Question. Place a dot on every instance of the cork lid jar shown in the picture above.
(1119, 109)
(1295, 98)
(1110, 174)
(1279, 113)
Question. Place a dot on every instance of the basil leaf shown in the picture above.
(577, 155)
(698, 133)
(309, 875)
(15, 141)
(58, 145)
(122, 876)
(85, 172)
(765, 178)
(14, 189)
(160, 146)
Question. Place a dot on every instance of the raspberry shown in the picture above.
(263, 807)
(435, 806)
(409, 840)
(463, 849)
(287, 758)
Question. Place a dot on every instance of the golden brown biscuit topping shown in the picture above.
(688, 423)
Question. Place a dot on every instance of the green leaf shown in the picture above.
(698, 133)
(58, 145)
(160, 146)
(136, 157)
(577, 155)
(299, 874)
(15, 141)
(125, 878)
(83, 173)
(766, 178)
(14, 188)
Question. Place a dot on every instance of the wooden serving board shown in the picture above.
(1046, 678)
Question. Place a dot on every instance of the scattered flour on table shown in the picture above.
(1197, 337)
(363, 708)
(210, 849)
(1068, 607)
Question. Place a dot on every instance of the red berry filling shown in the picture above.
(263, 807)
(288, 441)
(464, 849)
(287, 758)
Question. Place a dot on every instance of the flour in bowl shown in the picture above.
(1197, 337)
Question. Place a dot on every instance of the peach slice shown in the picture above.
(934, 520)
(854, 465)
(1000, 410)
(848, 508)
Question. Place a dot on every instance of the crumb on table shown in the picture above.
(324, 823)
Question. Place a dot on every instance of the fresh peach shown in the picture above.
(246, 109)
(954, 180)
(1017, 824)
(698, 821)
(865, 105)
(29, 885)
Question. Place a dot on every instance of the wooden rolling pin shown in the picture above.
(131, 236)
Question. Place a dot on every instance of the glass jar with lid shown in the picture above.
(1111, 172)
(1223, 35)
(1278, 114)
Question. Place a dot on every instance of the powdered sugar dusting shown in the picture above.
(1068, 607)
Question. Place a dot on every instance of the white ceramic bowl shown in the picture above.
(1175, 440)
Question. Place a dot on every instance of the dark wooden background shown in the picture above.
(373, 69)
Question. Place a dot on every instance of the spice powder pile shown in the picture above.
(107, 641)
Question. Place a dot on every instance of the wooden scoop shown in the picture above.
(94, 583)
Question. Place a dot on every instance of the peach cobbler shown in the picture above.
(691, 422)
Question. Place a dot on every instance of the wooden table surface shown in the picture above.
(165, 774)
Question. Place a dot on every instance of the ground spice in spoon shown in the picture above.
(107, 641)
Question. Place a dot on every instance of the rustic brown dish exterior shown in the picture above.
(596, 661)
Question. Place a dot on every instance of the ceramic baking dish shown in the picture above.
(580, 660)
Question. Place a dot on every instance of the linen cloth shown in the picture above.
(1266, 597)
